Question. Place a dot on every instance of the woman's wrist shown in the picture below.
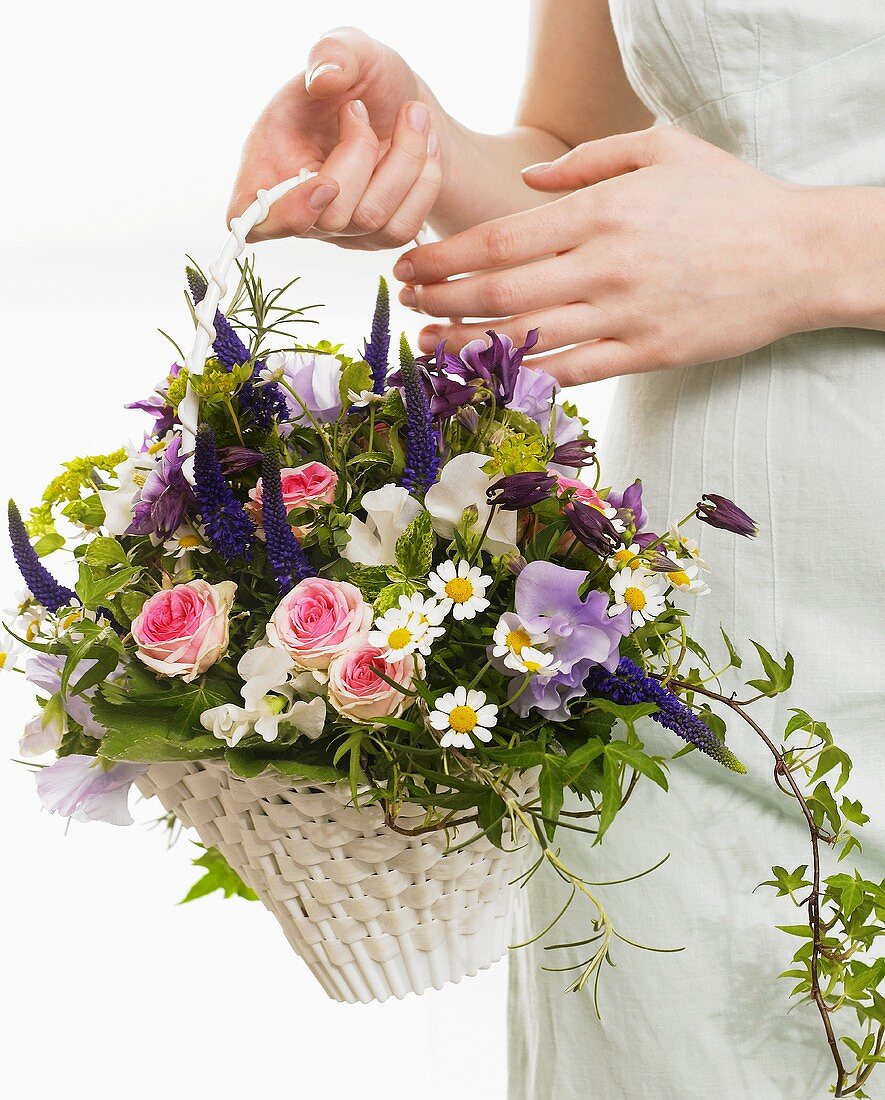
(842, 230)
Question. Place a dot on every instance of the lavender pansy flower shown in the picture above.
(533, 394)
(79, 787)
(166, 496)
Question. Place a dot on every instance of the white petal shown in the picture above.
(475, 698)
(438, 720)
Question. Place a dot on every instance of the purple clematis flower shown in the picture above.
(579, 633)
(629, 505)
(79, 787)
(166, 496)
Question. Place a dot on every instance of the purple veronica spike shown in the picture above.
(266, 403)
(521, 490)
(723, 513)
(422, 443)
(284, 552)
(45, 589)
(378, 344)
(630, 685)
(166, 496)
(228, 528)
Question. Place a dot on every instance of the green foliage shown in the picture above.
(219, 875)
(414, 548)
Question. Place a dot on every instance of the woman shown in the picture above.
(728, 265)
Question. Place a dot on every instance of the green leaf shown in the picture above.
(551, 782)
(788, 882)
(132, 603)
(46, 544)
(95, 591)
(611, 793)
(151, 747)
(414, 548)
(628, 713)
(355, 378)
(639, 761)
(248, 765)
(491, 810)
(389, 597)
(105, 551)
(778, 678)
(734, 658)
(219, 876)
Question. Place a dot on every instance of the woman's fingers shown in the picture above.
(590, 362)
(351, 163)
(397, 171)
(406, 221)
(498, 243)
(295, 213)
(595, 161)
(536, 285)
(558, 327)
(336, 62)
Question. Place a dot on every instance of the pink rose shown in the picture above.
(303, 486)
(181, 631)
(318, 620)
(356, 690)
(582, 491)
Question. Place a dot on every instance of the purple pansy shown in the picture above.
(79, 787)
(166, 496)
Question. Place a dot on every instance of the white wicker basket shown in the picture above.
(373, 913)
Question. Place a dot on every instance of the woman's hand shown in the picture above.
(362, 118)
(670, 252)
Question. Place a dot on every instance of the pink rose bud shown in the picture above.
(303, 486)
(356, 690)
(182, 631)
(319, 620)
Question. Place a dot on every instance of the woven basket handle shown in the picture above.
(240, 228)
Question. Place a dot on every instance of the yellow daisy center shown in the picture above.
(532, 666)
(187, 542)
(459, 589)
(635, 599)
(625, 557)
(4, 657)
(517, 640)
(680, 579)
(399, 638)
(463, 719)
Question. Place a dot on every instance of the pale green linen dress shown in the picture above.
(796, 434)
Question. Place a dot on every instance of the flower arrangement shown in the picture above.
(411, 580)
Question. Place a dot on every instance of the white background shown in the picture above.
(122, 129)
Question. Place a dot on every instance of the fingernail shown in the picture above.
(541, 166)
(417, 117)
(433, 144)
(404, 271)
(321, 196)
(359, 109)
(408, 297)
(321, 69)
(429, 336)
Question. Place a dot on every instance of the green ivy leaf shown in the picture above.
(552, 782)
(638, 760)
(48, 543)
(355, 377)
(389, 597)
(611, 793)
(105, 551)
(219, 876)
(248, 766)
(778, 678)
(414, 548)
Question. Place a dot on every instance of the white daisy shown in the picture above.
(611, 514)
(25, 617)
(626, 556)
(512, 636)
(638, 592)
(463, 714)
(690, 546)
(460, 588)
(398, 632)
(186, 539)
(10, 650)
(533, 661)
(430, 612)
(687, 579)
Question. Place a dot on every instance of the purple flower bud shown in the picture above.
(521, 490)
(577, 453)
(236, 459)
(468, 418)
(591, 527)
(660, 563)
(723, 513)
(515, 564)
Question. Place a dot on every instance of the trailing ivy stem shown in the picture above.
(782, 768)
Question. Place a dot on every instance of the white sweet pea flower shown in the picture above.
(389, 511)
(131, 475)
(269, 695)
(463, 483)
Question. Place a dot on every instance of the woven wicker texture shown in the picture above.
(373, 913)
